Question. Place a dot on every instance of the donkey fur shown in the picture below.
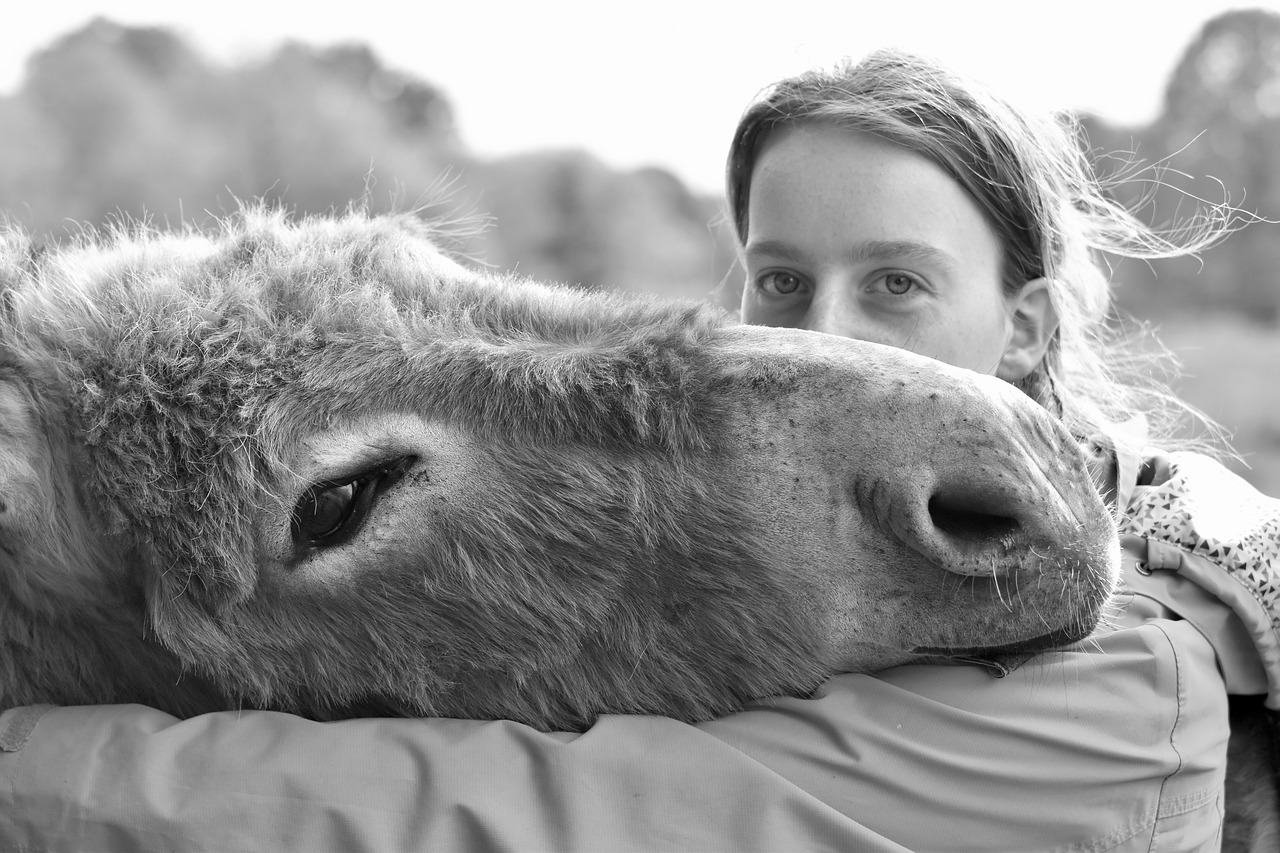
(153, 391)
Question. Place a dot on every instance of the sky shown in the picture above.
(664, 83)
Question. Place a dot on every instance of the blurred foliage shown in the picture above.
(132, 121)
(115, 122)
(1229, 371)
(118, 121)
(1216, 140)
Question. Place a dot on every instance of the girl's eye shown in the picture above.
(779, 283)
(899, 283)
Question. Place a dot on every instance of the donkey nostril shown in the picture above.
(970, 526)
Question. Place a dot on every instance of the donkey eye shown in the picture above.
(324, 509)
(331, 512)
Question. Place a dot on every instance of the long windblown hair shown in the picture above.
(1031, 178)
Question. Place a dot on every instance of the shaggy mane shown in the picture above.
(205, 300)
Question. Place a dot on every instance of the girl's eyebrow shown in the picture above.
(911, 250)
(774, 249)
(867, 250)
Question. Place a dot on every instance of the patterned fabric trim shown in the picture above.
(1200, 506)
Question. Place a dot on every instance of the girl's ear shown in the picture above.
(1034, 322)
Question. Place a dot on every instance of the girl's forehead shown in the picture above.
(831, 179)
(840, 150)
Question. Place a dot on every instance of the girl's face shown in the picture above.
(852, 235)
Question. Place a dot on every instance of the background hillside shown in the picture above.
(113, 121)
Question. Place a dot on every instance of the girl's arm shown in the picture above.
(1084, 747)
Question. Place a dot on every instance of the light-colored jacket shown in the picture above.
(1201, 537)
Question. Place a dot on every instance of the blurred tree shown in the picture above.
(139, 124)
(32, 154)
(665, 239)
(565, 216)
(115, 120)
(327, 126)
(1217, 138)
(132, 114)
(546, 210)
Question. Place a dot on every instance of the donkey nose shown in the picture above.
(989, 516)
(971, 528)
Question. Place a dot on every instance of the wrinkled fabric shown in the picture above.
(1116, 745)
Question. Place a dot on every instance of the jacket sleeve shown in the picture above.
(1202, 537)
(920, 757)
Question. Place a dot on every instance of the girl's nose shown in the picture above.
(832, 311)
